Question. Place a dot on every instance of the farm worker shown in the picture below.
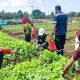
(75, 56)
(28, 21)
(4, 51)
(49, 43)
(27, 32)
(59, 29)
(41, 37)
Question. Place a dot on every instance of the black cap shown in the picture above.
(58, 7)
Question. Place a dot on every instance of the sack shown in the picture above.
(51, 45)
(34, 33)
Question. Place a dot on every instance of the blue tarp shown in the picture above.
(3, 23)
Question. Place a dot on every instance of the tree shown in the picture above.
(72, 14)
(52, 14)
(20, 14)
(3, 15)
(36, 14)
(8, 15)
(43, 15)
(78, 14)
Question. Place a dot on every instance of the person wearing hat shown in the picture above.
(49, 43)
(44, 41)
(27, 25)
(59, 29)
(41, 38)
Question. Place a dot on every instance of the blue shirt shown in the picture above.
(60, 19)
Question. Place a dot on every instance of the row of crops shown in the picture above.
(30, 64)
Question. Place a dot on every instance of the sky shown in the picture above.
(46, 6)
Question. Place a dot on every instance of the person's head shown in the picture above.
(27, 15)
(57, 8)
(41, 31)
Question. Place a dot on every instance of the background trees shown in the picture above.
(36, 14)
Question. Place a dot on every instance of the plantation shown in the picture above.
(29, 63)
(39, 40)
(17, 32)
(46, 66)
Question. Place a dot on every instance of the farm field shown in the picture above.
(17, 32)
(29, 47)
(29, 63)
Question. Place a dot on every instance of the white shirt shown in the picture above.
(76, 44)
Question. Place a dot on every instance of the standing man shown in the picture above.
(60, 29)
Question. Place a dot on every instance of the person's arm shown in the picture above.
(53, 28)
(68, 65)
(13, 51)
(7, 51)
(36, 41)
(54, 22)
(43, 44)
(75, 56)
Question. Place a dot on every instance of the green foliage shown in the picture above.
(47, 66)
(25, 50)
(35, 69)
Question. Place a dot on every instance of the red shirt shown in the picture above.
(76, 54)
(78, 34)
(5, 51)
(25, 20)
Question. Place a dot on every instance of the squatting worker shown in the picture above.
(27, 23)
(60, 29)
(4, 51)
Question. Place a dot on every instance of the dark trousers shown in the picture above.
(60, 42)
(27, 37)
(1, 59)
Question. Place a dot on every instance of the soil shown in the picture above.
(19, 35)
